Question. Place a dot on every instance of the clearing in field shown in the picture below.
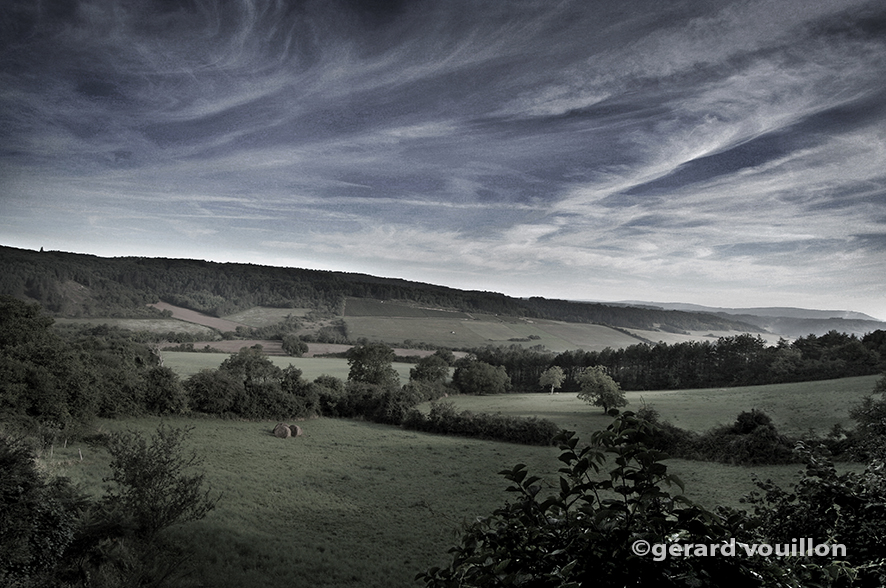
(796, 409)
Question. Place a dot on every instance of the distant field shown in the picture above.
(263, 316)
(794, 408)
(487, 330)
(152, 325)
(370, 307)
(186, 364)
(192, 316)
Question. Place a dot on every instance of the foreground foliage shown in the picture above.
(52, 535)
(582, 535)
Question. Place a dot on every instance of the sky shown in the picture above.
(725, 153)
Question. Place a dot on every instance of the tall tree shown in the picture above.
(599, 389)
(553, 377)
(371, 364)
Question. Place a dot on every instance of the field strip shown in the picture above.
(192, 316)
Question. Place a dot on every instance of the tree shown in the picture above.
(429, 369)
(869, 437)
(294, 346)
(164, 393)
(599, 389)
(478, 377)
(553, 377)
(371, 364)
(154, 485)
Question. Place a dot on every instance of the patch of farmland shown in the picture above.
(712, 336)
(369, 307)
(489, 330)
(263, 316)
(186, 364)
(436, 331)
(583, 336)
(192, 316)
(150, 325)
(795, 408)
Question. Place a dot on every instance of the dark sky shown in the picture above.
(721, 153)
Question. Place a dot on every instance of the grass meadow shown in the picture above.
(186, 363)
(357, 504)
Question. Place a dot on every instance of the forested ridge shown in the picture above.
(71, 284)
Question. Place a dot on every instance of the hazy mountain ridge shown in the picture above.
(71, 284)
(786, 321)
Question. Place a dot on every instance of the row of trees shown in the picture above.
(740, 360)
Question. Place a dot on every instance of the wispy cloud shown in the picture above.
(696, 150)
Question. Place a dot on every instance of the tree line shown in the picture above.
(739, 360)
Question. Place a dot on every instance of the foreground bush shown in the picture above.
(583, 533)
(51, 535)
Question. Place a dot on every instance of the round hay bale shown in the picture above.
(282, 430)
(296, 430)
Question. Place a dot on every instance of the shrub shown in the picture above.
(38, 517)
(583, 533)
(444, 419)
(152, 482)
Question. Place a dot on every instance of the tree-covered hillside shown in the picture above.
(70, 284)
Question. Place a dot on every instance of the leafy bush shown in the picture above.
(478, 377)
(38, 517)
(152, 481)
(583, 533)
(848, 509)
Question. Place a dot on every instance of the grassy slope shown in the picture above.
(795, 408)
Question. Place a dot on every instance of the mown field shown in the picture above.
(354, 503)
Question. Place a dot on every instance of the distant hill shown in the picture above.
(786, 321)
(79, 285)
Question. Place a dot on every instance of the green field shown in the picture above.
(355, 504)
(186, 363)
(151, 325)
(794, 408)
(488, 330)
(263, 316)
(370, 307)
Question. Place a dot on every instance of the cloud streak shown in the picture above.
(725, 153)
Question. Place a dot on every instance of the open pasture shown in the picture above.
(488, 330)
(263, 316)
(357, 504)
(795, 408)
(186, 363)
(380, 308)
